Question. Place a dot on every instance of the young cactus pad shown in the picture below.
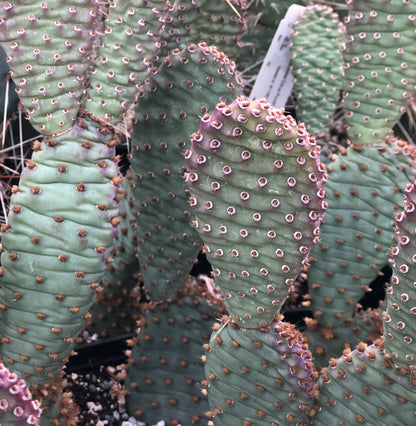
(257, 191)
(259, 377)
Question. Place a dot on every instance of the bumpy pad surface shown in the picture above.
(363, 388)
(259, 378)
(113, 312)
(164, 379)
(55, 247)
(257, 193)
(379, 61)
(316, 64)
(49, 47)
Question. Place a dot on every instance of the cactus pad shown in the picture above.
(362, 387)
(55, 249)
(126, 50)
(257, 191)
(364, 190)
(259, 377)
(216, 22)
(316, 65)
(49, 47)
(188, 83)
(114, 312)
(165, 374)
(379, 61)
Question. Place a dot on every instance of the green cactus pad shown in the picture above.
(316, 65)
(399, 319)
(188, 83)
(379, 66)
(364, 190)
(257, 194)
(363, 387)
(216, 22)
(56, 242)
(165, 372)
(127, 49)
(49, 47)
(259, 377)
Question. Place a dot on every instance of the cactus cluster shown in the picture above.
(85, 243)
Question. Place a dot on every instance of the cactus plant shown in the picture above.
(384, 369)
(257, 189)
(233, 382)
(378, 78)
(55, 254)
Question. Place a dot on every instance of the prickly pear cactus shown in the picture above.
(399, 326)
(50, 74)
(17, 407)
(364, 190)
(257, 191)
(316, 65)
(378, 75)
(63, 214)
(262, 377)
(55, 253)
(363, 387)
(165, 372)
(188, 83)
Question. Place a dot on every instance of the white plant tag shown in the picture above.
(275, 81)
